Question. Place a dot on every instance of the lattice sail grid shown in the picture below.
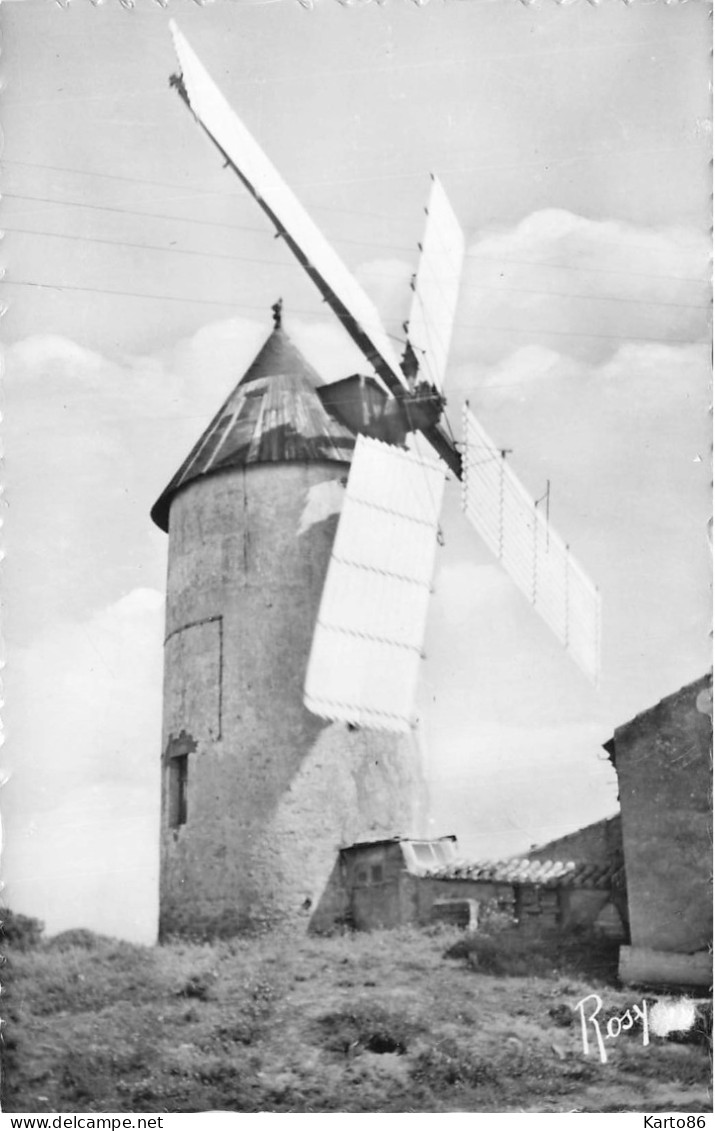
(535, 557)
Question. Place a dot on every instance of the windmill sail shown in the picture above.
(436, 288)
(534, 556)
(365, 659)
(338, 287)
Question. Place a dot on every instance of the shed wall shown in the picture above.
(420, 892)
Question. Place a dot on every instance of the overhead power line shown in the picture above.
(144, 246)
(270, 262)
(129, 212)
(240, 197)
(265, 231)
(533, 332)
(195, 190)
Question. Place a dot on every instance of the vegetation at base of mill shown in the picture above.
(430, 1020)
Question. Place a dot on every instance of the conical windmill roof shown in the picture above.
(274, 415)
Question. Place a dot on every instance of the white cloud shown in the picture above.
(35, 354)
(80, 807)
(96, 687)
(594, 283)
(532, 364)
(91, 861)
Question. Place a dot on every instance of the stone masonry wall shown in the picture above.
(664, 775)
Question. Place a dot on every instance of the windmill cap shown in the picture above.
(273, 415)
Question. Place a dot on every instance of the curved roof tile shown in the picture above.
(545, 873)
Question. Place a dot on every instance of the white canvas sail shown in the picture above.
(436, 288)
(365, 659)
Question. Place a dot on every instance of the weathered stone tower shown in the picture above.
(257, 793)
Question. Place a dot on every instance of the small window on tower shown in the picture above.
(178, 789)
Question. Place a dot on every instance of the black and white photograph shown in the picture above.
(357, 543)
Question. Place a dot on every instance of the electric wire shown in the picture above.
(195, 190)
(490, 327)
(240, 197)
(471, 287)
(474, 254)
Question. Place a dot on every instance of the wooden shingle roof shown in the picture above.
(274, 415)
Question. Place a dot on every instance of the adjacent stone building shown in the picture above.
(663, 761)
(258, 794)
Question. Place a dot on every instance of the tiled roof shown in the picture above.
(274, 415)
(545, 873)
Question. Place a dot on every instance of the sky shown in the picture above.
(573, 141)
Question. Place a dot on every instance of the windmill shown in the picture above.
(364, 662)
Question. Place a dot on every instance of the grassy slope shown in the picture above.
(382, 1022)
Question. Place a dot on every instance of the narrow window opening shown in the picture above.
(178, 789)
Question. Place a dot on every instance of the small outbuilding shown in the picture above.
(388, 883)
(379, 879)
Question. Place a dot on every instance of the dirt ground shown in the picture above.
(398, 1021)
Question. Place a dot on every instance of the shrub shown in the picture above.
(547, 953)
(76, 936)
(19, 931)
(480, 951)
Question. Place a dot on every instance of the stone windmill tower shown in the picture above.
(258, 794)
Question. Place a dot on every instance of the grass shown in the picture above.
(394, 1021)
